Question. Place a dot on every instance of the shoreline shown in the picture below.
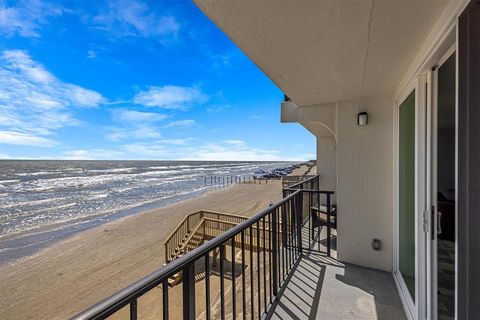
(95, 263)
(58, 201)
(23, 246)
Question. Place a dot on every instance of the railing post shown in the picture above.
(274, 252)
(284, 225)
(167, 255)
(133, 310)
(299, 217)
(188, 275)
(328, 224)
(204, 231)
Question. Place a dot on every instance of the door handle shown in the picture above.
(439, 223)
(432, 222)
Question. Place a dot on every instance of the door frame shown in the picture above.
(432, 171)
(414, 309)
(442, 39)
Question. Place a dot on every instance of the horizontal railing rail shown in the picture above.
(264, 248)
(312, 183)
(290, 180)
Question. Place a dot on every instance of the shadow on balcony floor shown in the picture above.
(323, 288)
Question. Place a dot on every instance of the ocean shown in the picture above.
(44, 201)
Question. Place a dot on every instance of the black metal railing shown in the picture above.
(262, 252)
(315, 201)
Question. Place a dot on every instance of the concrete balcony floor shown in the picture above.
(320, 287)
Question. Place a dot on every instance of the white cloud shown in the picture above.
(26, 17)
(218, 108)
(91, 54)
(81, 97)
(33, 102)
(220, 60)
(147, 150)
(233, 150)
(181, 124)
(20, 62)
(183, 149)
(170, 97)
(212, 151)
(138, 116)
(18, 138)
(135, 125)
(93, 154)
(128, 18)
(238, 143)
(5, 156)
(158, 149)
(138, 133)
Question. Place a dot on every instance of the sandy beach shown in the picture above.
(77, 272)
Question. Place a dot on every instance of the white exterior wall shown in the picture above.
(327, 162)
(365, 183)
(357, 163)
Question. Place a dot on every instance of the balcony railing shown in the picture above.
(263, 251)
(315, 201)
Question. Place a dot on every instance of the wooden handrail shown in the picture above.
(179, 225)
(194, 231)
(198, 212)
(225, 214)
(202, 223)
(175, 238)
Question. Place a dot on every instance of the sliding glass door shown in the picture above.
(406, 194)
(443, 186)
(411, 237)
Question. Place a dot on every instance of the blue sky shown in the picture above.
(133, 80)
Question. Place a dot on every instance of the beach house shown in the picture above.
(391, 91)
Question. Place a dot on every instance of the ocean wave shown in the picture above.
(114, 170)
(93, 191)
(156, 173)
(10, 181)
(30, 203)
(38, 173)
(98, 195)
(63, 206)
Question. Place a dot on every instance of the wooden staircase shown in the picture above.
(199, 227)
(193, 231)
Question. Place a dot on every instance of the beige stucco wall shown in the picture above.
(327, 163)
(365, 183)
(357, 163)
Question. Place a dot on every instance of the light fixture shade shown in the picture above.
(362, 119)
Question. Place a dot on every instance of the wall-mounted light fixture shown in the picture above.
(376, 244)
(362, 119)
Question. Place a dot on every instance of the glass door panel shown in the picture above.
(445, 189)
(406, 223)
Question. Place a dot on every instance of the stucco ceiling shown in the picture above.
(325, 51)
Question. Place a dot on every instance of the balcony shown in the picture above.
(320, 287)
(278, 264)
